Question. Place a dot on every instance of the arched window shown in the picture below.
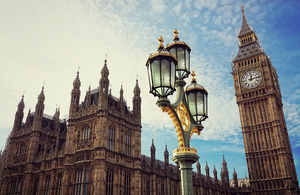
(109, 182)
(111, 137)
(85, 134)
(128, 144)
(81, 181)
(127, 183)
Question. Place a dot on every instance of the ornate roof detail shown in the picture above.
(21, 105)
(245, 29)
(248, 51)
(104, 70)
(77, 80)
(42, 95)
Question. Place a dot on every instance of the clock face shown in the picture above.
(251, 79)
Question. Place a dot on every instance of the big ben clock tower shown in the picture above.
(267, 147)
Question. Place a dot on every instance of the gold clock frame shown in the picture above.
(261, 84)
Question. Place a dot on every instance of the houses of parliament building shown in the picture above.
(97, 150)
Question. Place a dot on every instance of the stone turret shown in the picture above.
(224, 173)
(215, 175)
(103, 87)
(152, 150)
(39, 111)
(75, 97)
(19, 115)
(136, 101)
(234, 176)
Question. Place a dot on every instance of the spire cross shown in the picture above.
(193, 75)
(160, 40)
(242, 7)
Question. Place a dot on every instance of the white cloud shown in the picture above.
(177, 8)
(209, 4)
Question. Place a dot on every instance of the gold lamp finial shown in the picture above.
(176, 34)
(160, 40)
(193, 75)
(242, 7)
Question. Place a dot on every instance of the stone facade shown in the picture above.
(268, 152)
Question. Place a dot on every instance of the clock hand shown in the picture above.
(250, 77)
(256, 77)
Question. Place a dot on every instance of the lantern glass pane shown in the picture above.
(173, 52)
(192, 103)
(181, 59)
(187, 59)
(155, 73)
(173, 70)
(200, 107)
(149, 76)
(205, 104)
(165, 73)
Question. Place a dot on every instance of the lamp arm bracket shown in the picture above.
(179, 92)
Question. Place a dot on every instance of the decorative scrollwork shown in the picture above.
(195, 130)
(176, 123)
(183, 116)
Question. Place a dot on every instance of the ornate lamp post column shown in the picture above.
(167, 69)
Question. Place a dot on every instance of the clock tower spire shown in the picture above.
(267, 147)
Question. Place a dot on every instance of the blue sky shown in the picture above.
(46, 41)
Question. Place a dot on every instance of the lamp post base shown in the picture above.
(186, 160)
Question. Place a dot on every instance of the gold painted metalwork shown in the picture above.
(160, 40)
(184, 150)
(183, 116)
(176, 34)
(242, 7)
(195, 130)
(176, 123)
(193, 75)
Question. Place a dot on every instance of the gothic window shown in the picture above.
(59, 179)
(47, 185)
(127, 184)
(36, 186)
(128, 144)
(81, 181)
(109, 181)
(111, 137)
(175, 189)
(15, 187)
(162, 187)
(148, 186)
(85, 134)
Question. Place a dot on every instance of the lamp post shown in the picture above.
(167, 69)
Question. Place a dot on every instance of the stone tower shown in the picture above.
(267, 147)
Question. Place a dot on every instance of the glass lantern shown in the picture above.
(181, 51)
(197, 100)
(161, 72)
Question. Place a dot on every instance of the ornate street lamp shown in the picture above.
(166, 70)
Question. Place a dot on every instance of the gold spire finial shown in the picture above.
(242, 7)
(176, 34)
(160, 40)
(193, 75)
